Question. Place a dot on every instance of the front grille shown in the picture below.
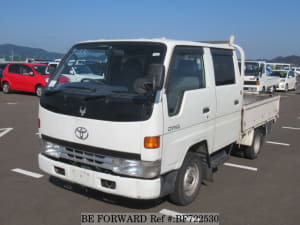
(76, 156)
(249, 82)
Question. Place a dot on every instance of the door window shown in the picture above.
(14, 68)
(186, 73)
(25, 70)
(223, 66)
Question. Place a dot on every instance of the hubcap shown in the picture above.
(5, 88)
(39, 91)
(257, 143)
(191, 179)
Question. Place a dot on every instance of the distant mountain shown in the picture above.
(21, 52)
(292, 59)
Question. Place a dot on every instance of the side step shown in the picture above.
(219, 158)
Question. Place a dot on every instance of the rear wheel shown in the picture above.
(188, 181)
(39, 90)
(286, 89)
(252, 151)
(6, 88)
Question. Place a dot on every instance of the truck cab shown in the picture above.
(258, 77)
(152, 117)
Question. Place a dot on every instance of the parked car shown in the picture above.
(2, 67)
(24, 77)
(51, 68)
(296, 70)
(287, 80)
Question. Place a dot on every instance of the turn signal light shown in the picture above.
(257, 83)
(152, 142)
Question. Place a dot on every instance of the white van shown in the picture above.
(158, 119)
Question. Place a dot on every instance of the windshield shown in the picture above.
(251, 69)
(113, 78)
(282, 67)
(281, 74)
(41, 69)
(114, 64)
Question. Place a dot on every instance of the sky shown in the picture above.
(265, 29)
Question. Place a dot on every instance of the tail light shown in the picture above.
(63, 79)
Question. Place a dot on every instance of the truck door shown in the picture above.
(189, 104)
(228, 97)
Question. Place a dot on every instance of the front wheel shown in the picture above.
(272, 90)
(252, 151)
(39, 90)
(6, 88)
(188, 181)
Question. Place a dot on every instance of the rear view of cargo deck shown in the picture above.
(259, 112)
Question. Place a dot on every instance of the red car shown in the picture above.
(24, 77)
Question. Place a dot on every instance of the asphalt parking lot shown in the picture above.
(261, 191)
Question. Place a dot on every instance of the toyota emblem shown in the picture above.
(81, 133)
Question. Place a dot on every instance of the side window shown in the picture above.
(25, 70)
(14, 68)
(186, 73)
(223, 66)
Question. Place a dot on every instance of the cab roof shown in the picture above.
(168, 42)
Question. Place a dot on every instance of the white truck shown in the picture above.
(162, 115)
(258, 78)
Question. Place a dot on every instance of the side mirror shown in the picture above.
(30, 73)
(157, 72)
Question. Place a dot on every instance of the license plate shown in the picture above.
(81, 176)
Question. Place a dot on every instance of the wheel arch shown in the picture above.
(201, 148)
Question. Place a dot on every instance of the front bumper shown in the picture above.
(281, 87)
(251, 89)
(124, 186)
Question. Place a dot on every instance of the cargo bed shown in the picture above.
(259, 110)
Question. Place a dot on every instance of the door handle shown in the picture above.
(236, 102)
(205, 110)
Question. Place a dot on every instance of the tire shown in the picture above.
(272, 90)
(6, 88)
(253, 151)
(188, 181)
(39, 90)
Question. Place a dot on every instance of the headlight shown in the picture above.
(144, 169)
(51, 149)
